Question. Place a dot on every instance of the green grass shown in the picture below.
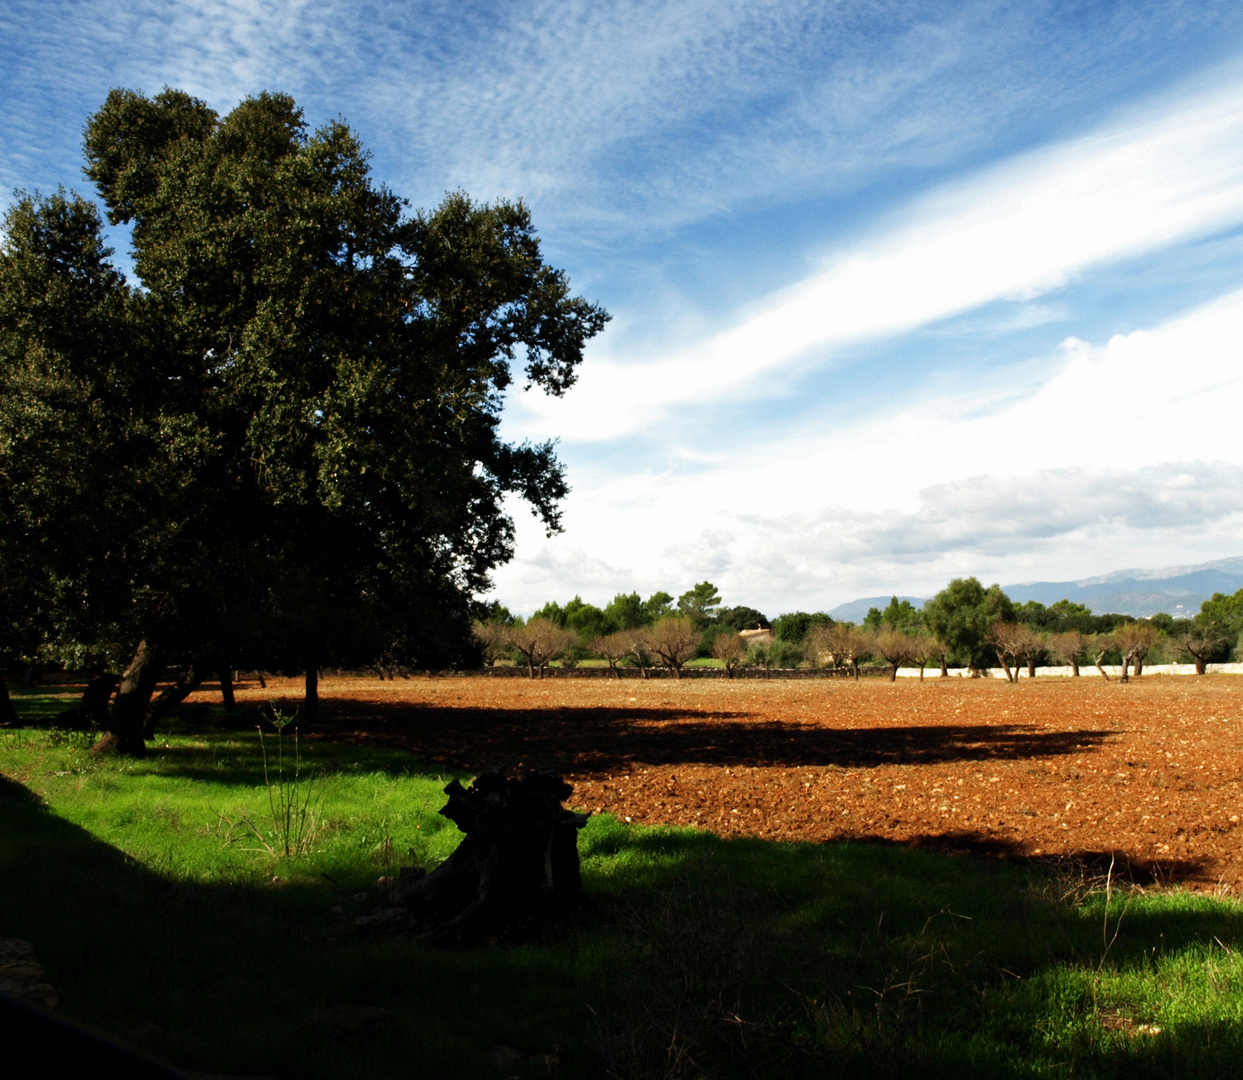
(704, 957)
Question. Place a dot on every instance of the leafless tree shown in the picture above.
(539, 641)
(494, 638)
(674, 639)
(1133, 640)
(729, 649)
(1202, 642)
(849, 643)
(1098, 645)
(896, 646)
(614, 648)
(1029, 645)
(1008, 640)
(818, 645)
(638, 649)
(1067, 647)
(928, 647)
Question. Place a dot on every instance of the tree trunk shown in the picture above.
(1126, 659)
(1101, 669)
(226, 689)
(8, 714)
(854, 668)
(129, 710)
(263, 683)
(944, 670)
(1001, 659)
(1074, 666)
(893, 672)
(1139, 666)
(515, 872)
(310, 705)
(921, 672)
(1031, 667)
(172, 696)
(1201, 665)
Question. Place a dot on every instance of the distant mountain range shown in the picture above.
(1176, 590)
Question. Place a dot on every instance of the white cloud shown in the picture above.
(1126, 454)
(1016, 231)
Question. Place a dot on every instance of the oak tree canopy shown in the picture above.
(279, 446)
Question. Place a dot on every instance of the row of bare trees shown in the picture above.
(670, 642)
(1018, 643)
(673, 640)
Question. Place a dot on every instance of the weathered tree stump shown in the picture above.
(516, 871)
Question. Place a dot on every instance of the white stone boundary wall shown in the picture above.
(1085, 670)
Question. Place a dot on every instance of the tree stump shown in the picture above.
(516, 871)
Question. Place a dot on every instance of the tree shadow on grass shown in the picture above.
(229, 979)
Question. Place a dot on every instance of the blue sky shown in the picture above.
(900, 291)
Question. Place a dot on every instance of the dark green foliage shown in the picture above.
(961, 615)
(792, 627)
(1221, 616)
(898, 614)
(742, 618)
(1066, 615)
(700, 604)
(657, 606)
(284, 448)
(625, 612)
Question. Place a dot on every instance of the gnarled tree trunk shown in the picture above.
(129, 710)
(172, 696)
(516, 870)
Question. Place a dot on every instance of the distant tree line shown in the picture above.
(965, 625)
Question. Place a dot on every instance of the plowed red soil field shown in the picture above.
(1148, 771)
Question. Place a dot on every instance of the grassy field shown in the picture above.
(162, 919)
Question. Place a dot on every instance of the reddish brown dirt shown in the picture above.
(1148, 771)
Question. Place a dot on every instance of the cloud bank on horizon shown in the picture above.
(900, 292)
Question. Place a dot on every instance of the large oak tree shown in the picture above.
(282, 446)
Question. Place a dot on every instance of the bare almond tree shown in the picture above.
(614, 648)
(1201, 642)
(1007, 640)
(819, 646)
(539, 641)
(729, 649)
(674, 640)
(928, 647)
(494, 639)
(1067, 647)
(1133, 640)
(896, 646)
(1098, 646)
(849, 643)
(1029, 644)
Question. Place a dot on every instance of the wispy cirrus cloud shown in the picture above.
(1017, 230)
